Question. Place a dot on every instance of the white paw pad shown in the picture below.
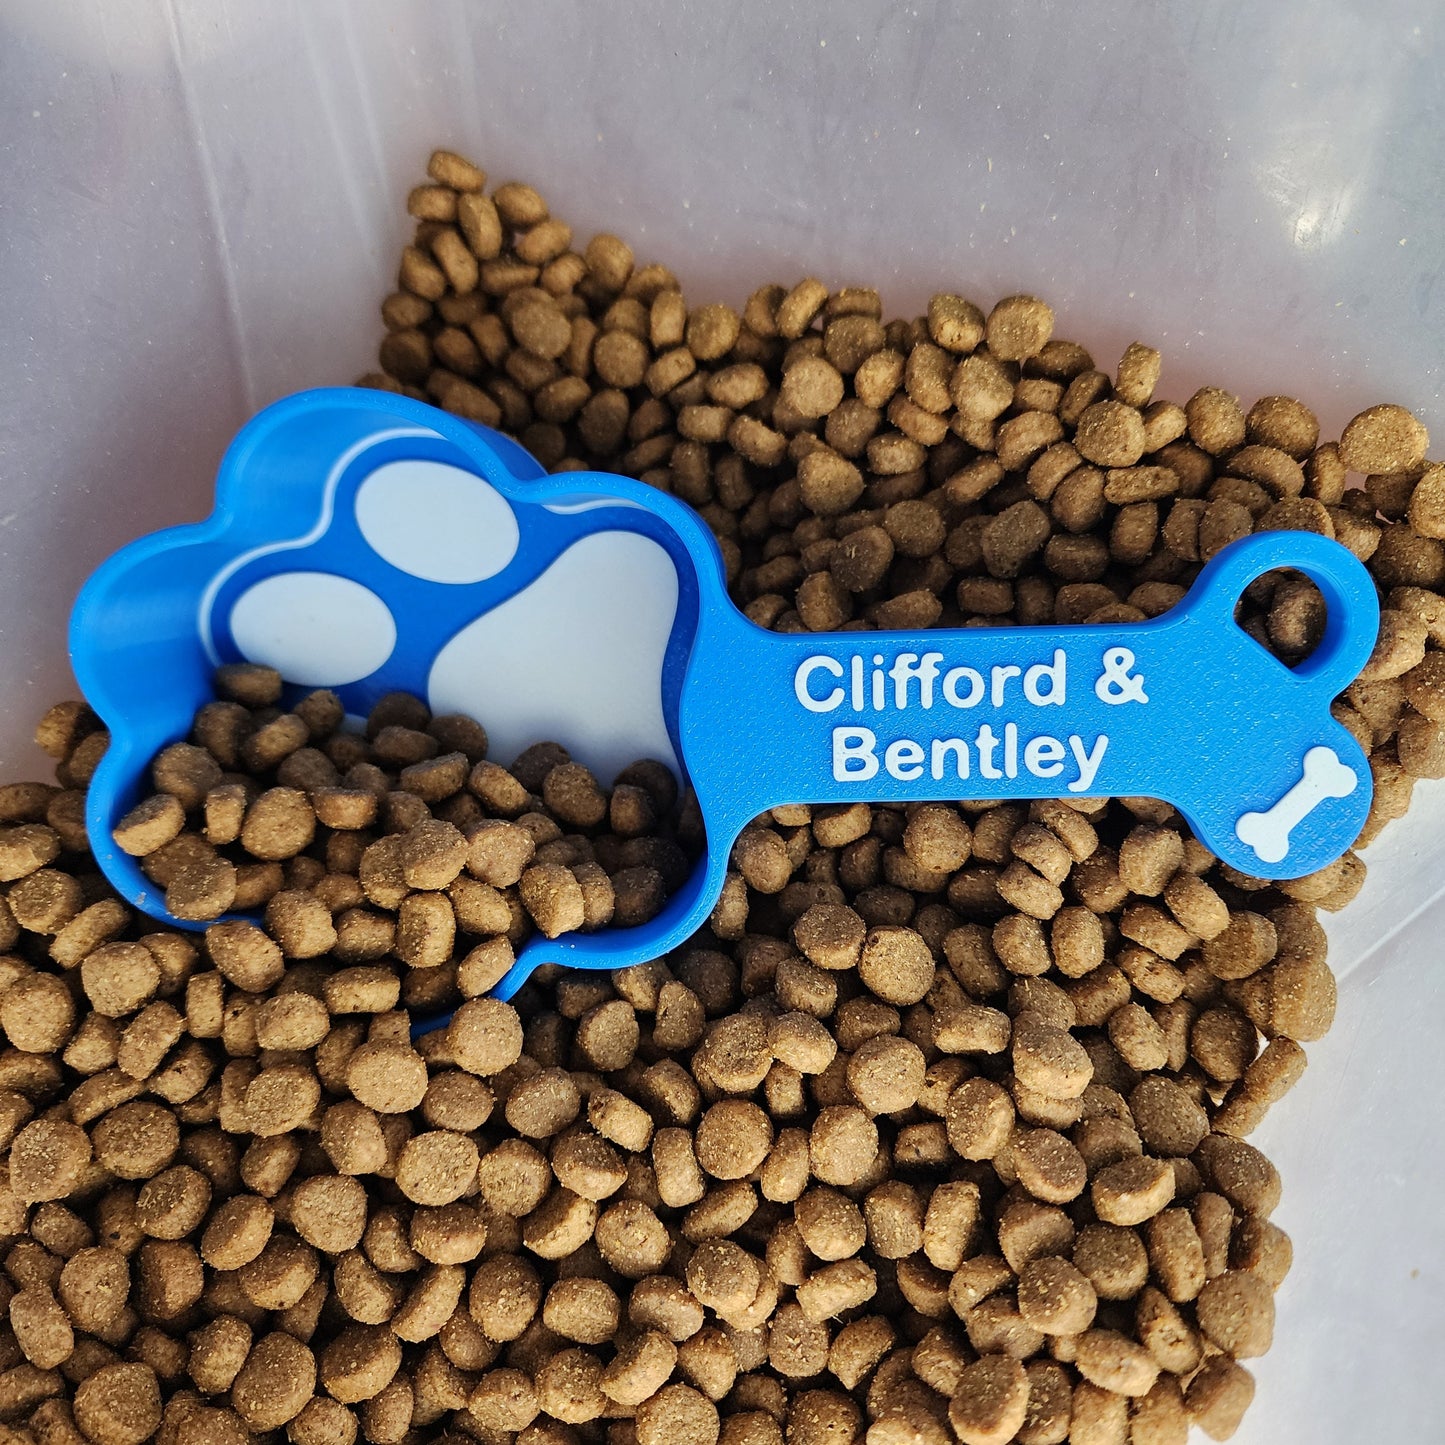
(575, 657)
(1325, 776)
(398, 508)
(314, 628)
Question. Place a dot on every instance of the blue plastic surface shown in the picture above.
(1185, 707)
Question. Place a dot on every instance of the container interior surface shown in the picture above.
(204, 202)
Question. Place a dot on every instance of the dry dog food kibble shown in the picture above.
(935, 1132)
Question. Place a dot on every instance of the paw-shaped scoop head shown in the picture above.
(370, 544)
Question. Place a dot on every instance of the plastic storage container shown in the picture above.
(203, 204)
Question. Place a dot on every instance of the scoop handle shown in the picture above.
(1186, 707)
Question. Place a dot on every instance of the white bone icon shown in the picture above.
(1325, 776)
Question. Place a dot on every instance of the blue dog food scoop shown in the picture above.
(369, 543)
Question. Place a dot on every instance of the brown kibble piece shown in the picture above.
(276, 1381)
(722, 1276)
(173, 1203)
(458, 173)
(280, 1100)
(93, 1287)
(967, 1028)
(632, 1239)
(677, 1415)
(37, 1013)
(544, 1104)
(574, 796)
(980, 1117)
(1110, 434)
(936, 837)
(1055, 1297)
(553, 897)
(1283, 422)
(733, 1139)
(619, 1119)
(1018, 327)
(1241, 1173)
(797, 1348)
(329, 1212)
(990, 1402)
(1133, 1190)
(202, 890)
(831, 935)
(584, 1310)
(136, 1140)
(886, 1074)
(25, 849)
(712, 331)
(437, 1167)
(797, 309)
(485, 1036)
(1049, 1166)
(1195, 904)
(42, 1329)
(300, 922)
(119, 1404)
(1263, 1248)
(828, 485)
(1113, 1258)
(1148, 858)
(359, 1363)
(45, 901)
(736, 1053)
(1048, 1059)
(955, 324)
(513, 1178)
(504, 1297)
(802, 1042)
(1236, 1312)
(245, 956)
(1176, 1254)
(1216, 424)
(150, 824)
(1243, 948)
(504, 1399)
(836, 1289)
(279, 824)
(812, 386)
(896, 964)
(1383, 439)
(1113, 1361)
(830, 1224)
(48, 1159)
(1223, 1042)
(186, 772)
(1218, 1396)
(387, 1077)
(1169, 1120)
(842, 1144)
(237, 1231)
(498, 852)
(118, 978)
(640, 1368)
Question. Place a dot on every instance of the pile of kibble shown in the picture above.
(935, 1133)
(397, 813)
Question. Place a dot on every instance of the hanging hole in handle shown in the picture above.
(1327, 619)
(1286, 613)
